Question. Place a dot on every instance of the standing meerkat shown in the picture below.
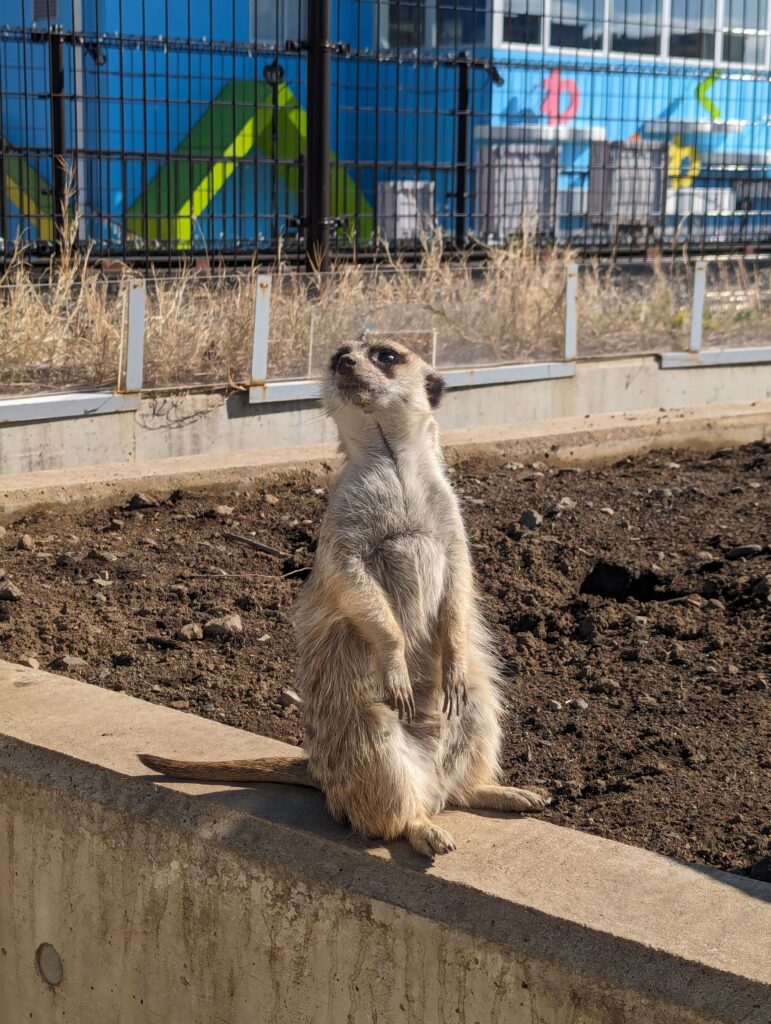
(401, 710)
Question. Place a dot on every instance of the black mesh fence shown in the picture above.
(301, 129)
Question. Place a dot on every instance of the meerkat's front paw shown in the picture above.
(398, 692)
(454, 689)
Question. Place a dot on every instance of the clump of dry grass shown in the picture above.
(60, 331)
(624, 313)
(66, 328)
(510, 310)
(737, 310)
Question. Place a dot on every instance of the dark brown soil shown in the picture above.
(635, 638)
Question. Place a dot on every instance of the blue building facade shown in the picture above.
(583, 122)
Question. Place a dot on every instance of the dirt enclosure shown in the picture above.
(631, 605)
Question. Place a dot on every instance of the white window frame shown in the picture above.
(545, 46)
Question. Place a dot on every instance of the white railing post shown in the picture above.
(697, 309)
(135, 337)
(571, 329)
(261, 331)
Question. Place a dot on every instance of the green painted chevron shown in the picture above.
(29, 192)
(239, 118)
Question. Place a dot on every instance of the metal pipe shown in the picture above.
(461, 149)
(58, 132)
(317, 253)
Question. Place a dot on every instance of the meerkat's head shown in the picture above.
(380, 378)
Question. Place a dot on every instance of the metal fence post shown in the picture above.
(461, 148)
(135, 337)
(261, 331)
(319, 66)
(58, 131)
(571, 322)
(697, 309)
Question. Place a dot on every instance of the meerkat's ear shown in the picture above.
(435, 388)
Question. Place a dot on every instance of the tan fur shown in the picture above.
(399, 684)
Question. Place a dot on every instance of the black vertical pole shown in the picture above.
(3, 229)
(461, 149)
(58, 138)
(317, 237)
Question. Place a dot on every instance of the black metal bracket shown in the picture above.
(328, 222)
(299, 45)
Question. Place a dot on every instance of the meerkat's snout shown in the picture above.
(343, 363)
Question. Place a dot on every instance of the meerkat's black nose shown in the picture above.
(345, 364)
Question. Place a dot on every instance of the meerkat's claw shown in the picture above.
(453, 695)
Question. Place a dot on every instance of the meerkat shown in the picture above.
(401, 709)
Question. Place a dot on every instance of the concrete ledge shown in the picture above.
(191, 904)
(282, 414)
(566, 440)
(35, 408)
(716, 357)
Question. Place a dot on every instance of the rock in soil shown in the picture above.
(141, 500)
(530, 519)
(227, 625)
(68, 662)
(190, 631)
(9, 592)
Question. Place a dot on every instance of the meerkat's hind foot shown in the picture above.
(428, 839)
(506, 798)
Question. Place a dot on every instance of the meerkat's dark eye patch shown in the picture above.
(435, 388)
(343, 351)
(385, 358)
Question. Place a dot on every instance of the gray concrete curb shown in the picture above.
(268, 911)
(562, 441)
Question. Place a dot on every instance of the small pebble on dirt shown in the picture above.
(289, 696)
(530, 519)
(29, 662)
(26, 543)
(553, 705)
(744, 551)
(227, 625)
(578, 704)
(69, 662)
(190, 631)
(142, 500)
(9, 592)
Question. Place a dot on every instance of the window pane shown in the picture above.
(744, 49)
(275, 22)
(744, 14)
(523, 21)
(744, 38)
(577, 23)
(406, 19)
(636, 26)
(461, 23)
(693, 29)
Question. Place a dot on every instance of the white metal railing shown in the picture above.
(127, 395)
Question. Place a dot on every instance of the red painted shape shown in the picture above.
(555, 86)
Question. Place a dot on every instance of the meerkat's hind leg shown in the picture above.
(504, 798)
(427, 838)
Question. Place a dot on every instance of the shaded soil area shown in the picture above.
(630, 605)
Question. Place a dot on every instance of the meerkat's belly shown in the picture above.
(411, 568)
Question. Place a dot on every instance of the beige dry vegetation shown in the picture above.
(66, 329)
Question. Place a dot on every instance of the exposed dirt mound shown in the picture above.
(630, 604)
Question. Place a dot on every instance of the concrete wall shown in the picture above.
(207, 424)
(187, 904)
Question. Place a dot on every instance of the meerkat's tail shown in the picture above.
(291, 770)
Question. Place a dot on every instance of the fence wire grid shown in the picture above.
(314, 128)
